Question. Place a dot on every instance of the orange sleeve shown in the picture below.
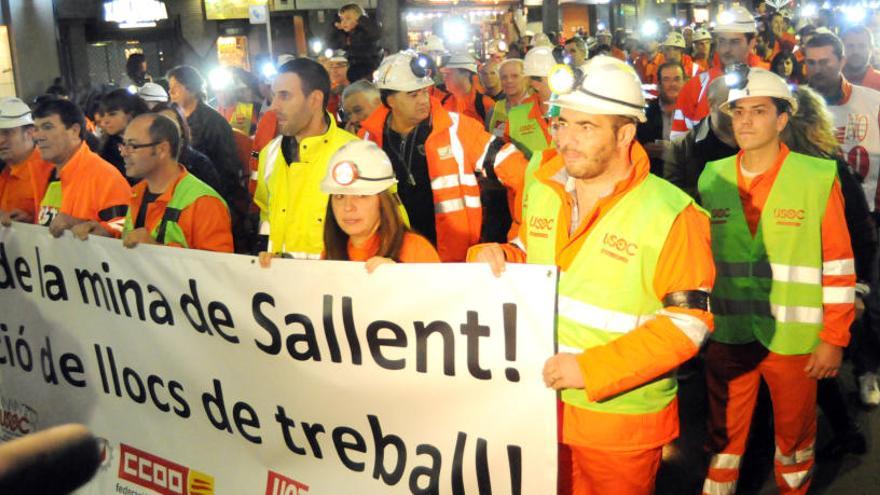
(16, 192)
(207, 225)
(417, 249)
(675, 334)
(113, 197)
(685, 108)
(838, 272)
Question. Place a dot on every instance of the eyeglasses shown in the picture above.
(130, 147)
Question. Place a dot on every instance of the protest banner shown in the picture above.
(205, 373)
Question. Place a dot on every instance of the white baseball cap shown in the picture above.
(14, 113)
(153, 92)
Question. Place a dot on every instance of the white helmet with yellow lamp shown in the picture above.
(539, 62)
(608, 87)
(403, 71)
(432, 44)
(748, 82)
(358, 167)
(701, 34)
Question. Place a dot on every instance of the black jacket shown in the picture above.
(652, 130)
(862, 229)
(685, 160)
(361, 45)
(212, 135)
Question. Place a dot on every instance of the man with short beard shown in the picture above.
(597, 213)
(858, 43)
(654, 134)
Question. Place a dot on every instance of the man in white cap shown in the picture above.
(701, 50)
(527, 126)
(598, 214)
(153, 94)
(441, 158)
(735, 40)
(24, 175)
(463, 98)
(783, 303)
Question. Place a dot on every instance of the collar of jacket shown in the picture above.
(375, 123)
(310, 147)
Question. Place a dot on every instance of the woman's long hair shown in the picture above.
(811, 130)
(776, 66)
(391, 230)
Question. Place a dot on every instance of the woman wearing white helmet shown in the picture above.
(364, 215)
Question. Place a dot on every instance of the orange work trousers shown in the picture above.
(586, 471)
(733, 376)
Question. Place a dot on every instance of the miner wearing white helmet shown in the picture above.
(701, 48)
(441, 158)
(24, 175)
(597, 213)
(674, 47)
(364, 217)
(527, 124)
(783, 304)
(734, 43)
(459, 72)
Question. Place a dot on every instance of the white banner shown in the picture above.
(204, 373)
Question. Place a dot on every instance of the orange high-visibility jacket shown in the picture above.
(456, 151)
(22, 185)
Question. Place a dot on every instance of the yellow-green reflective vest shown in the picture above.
(525, 132)
(292, 206)
(168, 231)
(609, 288)
(769, 287)
(499, 117)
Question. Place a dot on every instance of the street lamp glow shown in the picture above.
(268, 70)
(650, 28)
(455, 31)
(220, 78)
(317, 45)
(854, 13)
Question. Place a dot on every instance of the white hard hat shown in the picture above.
(604, 32)
(432, 43)
(736, 19)
(153, 92)
(403, 71)
(701, 34)
(497, 47)
(675, 40)
(609, 87)
(284, 58)
(539, 62)
(759, 82)
(461, 60)
(358, 167)
(14, 113)
(541, 39)
(338, 56)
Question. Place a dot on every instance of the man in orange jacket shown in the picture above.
(168, 206)
(735, 42)
(464, 96)
(24, 174)
(83, 186)
(783, 304)
(441, 158)
(636, 272)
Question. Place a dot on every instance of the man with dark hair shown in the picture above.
(169, 205)
(83, 187)
(211, 133)
(734, 40)
(858, 43)
(24, 174)
(856, 110)
(783, 300)
(440, 159)
(358, 35)
(576, 50)
(291, 166)
(654, 134)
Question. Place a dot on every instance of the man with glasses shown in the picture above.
(83, 186)
(448, 167)
(169, 206)
(636, 271)
(735, 41)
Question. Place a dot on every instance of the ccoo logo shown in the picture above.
(161, 475)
